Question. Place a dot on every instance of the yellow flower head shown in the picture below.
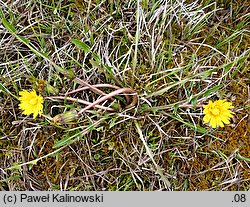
(218, 112)
(31, 103)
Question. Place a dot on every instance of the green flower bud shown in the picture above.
(51, 89)
(65, 118)
(67, 73)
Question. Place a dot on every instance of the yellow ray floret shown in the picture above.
(31, 103)
(218, 113)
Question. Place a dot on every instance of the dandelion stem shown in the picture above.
(79, 101)
(110, 95)
(91, 87)
(97, 86)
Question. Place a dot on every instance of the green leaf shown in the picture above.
(62, 142)
(10, 178)
(239, 157)
(85, 48)
(5, 90)
(112, 122)
(145, 107)
(213, 89)
(16, 166)
(26, 41)
(81, 45)
(8, 26)
(196, 128)
(67, 140)
(194, 101)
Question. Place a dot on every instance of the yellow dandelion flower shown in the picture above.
(31, 103)
(217, 113)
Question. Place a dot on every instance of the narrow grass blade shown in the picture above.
(68, 73)
(158, 169)
(5, 90)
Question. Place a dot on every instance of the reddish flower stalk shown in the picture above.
(97, 86)
(94, 88)
(91, 87)
(110, 95)
(79, 101)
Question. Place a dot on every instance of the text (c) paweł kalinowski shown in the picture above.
(61, 198)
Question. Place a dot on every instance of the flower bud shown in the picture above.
(65, 118)
(67, 73)
(51, 89)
